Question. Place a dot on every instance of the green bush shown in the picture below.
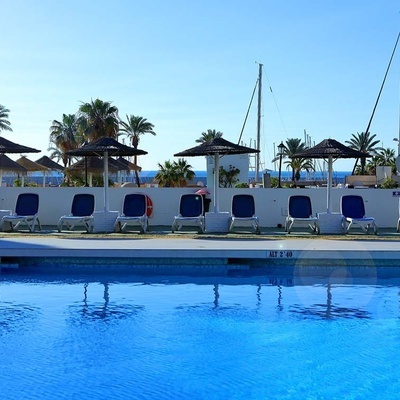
(228, 178)
(274, 182)
(389, 183)
(242, 185)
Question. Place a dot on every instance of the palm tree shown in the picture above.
(55, 154)
(366, 143)
(299, 164)
(184, 171)
(133, 128)
(209, 135)
(385, 157)
(166, 174)
(98, 119)
(370, 167)
(293, 146)
(174, 174)
(65, 136)
(5, 124)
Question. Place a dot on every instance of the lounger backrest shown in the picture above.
(82, 205)
(191, 205)
(300, 206)
(243, 206)
(135, 205)
(352, 206)
(27, 204)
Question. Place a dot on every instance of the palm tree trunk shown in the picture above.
(136, 172)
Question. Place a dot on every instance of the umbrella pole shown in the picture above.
(216, 183)
(106, 205)
(86, 173)
(328, 192)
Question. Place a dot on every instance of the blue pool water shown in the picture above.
(266, 337)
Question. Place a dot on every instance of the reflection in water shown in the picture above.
(328, 310)
(279, 307)
(258, 295)
(216, 295)
(16, 316)
(106, 339)
(105, 311)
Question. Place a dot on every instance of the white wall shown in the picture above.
(271, 204)
(239, 161)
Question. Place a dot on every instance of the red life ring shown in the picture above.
(149, 205)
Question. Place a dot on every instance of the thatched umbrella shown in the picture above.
(216, 147)
(6, 146)
(128, 166)
(8, 165)
(49, 163)
(93, 165)
(31, 166)
(105, 147)
(330, 150)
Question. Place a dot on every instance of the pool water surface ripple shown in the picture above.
(105, 337)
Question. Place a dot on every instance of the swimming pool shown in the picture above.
(265, 337)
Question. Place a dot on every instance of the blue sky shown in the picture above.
(188, 66)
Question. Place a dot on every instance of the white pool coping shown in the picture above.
(200, 248)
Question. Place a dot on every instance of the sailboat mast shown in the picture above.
(257, 173)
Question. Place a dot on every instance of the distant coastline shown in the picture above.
(56, 178)
(338, 176)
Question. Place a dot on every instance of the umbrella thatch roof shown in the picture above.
(94, 165)
(6, 164)
(330, 148)
(106, 144)
(49, 163)
(216, 146)
(6, 146)
(30, 165)
(127, 165)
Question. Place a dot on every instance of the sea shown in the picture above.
(55, 178)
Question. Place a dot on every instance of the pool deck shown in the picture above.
(189, 246)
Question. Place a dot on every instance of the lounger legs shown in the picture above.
(31, 226)
(121, 226)
(365, 227)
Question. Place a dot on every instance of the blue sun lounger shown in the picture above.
(300, 213)
(243, 212)
(353, 210)
(82, 209)
(134, 212)
(26, 212)
(191, 210)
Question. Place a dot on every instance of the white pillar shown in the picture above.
(328, 192)
(105, 178)
(216, 183)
